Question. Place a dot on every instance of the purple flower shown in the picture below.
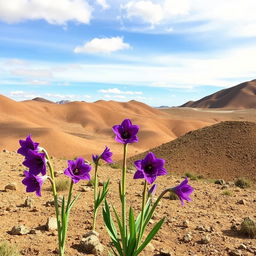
(152, 190)
(149, 168)
(106, 156)
(36, 162)
(26, 145)
(34, 183)
(126, 132)
(78, 170)
(183, 191)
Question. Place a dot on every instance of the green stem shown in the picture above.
(55, 196)
(142, 210)
(156, 203)
(96, 185)
(123, 190)
(65, 218)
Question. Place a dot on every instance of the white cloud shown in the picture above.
(146, 10)
(103, 45)
(37, 73)
(54, 12)
(117, 91)
(236, 17)
(103, 4)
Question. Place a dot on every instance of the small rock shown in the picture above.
(150, 248)
(220, 182)
(242, 201)
(185, 224)
(11, 186)
(225, 186)
(187, 238)
(235, 253)
(91, 244)
(29, 202)
(86, 189)
(164, 252)
(51, 202)
(51, 224)
(205, 240)
(5, 151)
(19, 230)
(242, 247)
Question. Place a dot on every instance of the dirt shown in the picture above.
(209, 208)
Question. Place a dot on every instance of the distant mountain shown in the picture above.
(161, 107)
(63, 101)
(241, 96)
(42, 100)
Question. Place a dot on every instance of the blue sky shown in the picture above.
(163, 52)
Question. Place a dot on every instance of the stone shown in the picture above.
(187, 238)
(185, 224)
(91, 244)
(51, 202)
(220, 182)
(11, 186)
(242, 247)
(205, 240)
(235, 253)
(242, 201)
(150, 248)
(19, 230)
(164, 252)
(28, 202)
(51, 224)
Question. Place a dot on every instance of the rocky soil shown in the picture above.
(205, 226)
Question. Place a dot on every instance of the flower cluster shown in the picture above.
(36, 163)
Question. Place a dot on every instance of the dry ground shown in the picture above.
(210, 208)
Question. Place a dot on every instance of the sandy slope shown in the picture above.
(239, 97)
(80, 128)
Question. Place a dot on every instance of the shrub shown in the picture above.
(115, 166)
(242, 183)
(193, 176)
(7, 249)
(62, 184)
(248, 228)
(226, 193)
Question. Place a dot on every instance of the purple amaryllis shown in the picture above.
(149, 168)
(36, 162)
(78, 170)
(183, 191)
(106, 156)
(26, 145)
(126, 132)
(34, 183)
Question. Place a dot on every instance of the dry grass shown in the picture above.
(6, 249)
(248, 228)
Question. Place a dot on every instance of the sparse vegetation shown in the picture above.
(242, 183)
(62, 184)
(115, 166)
(248, 228)
(6, 249)
(193, 176)
(227, 193)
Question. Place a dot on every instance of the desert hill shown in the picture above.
(82, 128)
(242, 96)
(225, 150)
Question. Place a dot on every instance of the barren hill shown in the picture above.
(241, 96)
(225, 150)
(82, 128)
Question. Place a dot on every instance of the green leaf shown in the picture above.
(150, 236)
(133, 236)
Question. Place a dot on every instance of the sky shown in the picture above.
(163, 52)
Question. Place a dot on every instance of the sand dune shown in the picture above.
(225, 150)
(242, 96)
(81, 128)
